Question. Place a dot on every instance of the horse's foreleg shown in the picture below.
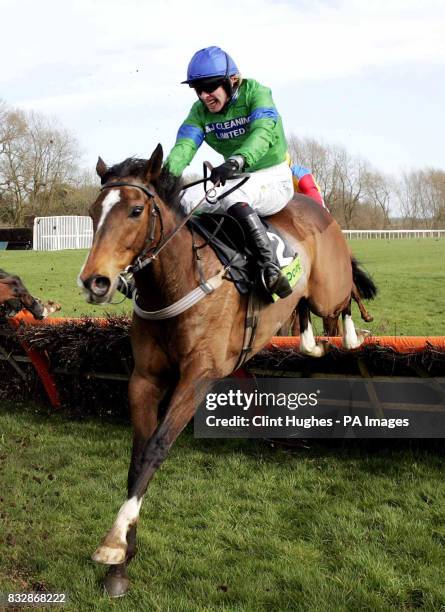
(287, 329)
(295, 329)
(113, 549)
(308, 345)
(144, 398)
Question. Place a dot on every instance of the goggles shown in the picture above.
(207, 86)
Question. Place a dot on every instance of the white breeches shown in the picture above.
(267, 191)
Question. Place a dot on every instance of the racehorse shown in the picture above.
(137, 222)
(14, 296)
(8, 290)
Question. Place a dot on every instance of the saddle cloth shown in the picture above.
(225, 235)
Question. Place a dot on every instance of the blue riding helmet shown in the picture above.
(209, 63)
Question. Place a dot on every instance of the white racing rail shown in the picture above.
(76, 232)
(62, 232)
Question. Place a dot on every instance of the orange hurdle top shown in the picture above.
(400, 344)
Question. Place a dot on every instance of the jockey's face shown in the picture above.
(214, 101)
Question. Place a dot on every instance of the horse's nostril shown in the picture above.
(98, 285)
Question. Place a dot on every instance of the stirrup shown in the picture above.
(283, 292)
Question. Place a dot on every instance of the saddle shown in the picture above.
(225, 235)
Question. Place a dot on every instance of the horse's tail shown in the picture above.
(363, 281)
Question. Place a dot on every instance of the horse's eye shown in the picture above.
(136, 211)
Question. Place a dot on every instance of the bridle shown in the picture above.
(142, 260)
(151, 251)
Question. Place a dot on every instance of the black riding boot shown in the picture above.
(258, 241)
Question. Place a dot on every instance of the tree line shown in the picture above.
(361, 197)
(40, 175)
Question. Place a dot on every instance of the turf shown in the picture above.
(410, 275)
(53, 276)
(226, 525)
(231, 524)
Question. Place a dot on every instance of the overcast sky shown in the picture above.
(369, 75)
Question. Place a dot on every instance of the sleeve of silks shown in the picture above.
(263, 117)
(189, 139)
(304, 182)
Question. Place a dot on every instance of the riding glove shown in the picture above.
(225, 171)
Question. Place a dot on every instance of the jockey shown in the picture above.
(237, 118)
(304, 182)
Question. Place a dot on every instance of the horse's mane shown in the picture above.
(167, 186)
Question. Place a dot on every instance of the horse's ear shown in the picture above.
(101, 167)
(154, 164)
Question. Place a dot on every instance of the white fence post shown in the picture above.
(391, 234)
(76, 232)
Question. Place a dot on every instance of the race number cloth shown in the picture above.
(223, 234)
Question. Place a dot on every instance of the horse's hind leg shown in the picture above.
(352, 338)
(358, 299)
(308, 345)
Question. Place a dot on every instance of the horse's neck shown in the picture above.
(171, 274)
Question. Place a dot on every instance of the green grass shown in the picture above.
(410, 275)
(232, 525)
(53, 276)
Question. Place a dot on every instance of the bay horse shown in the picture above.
(8, 290)
(135, 215)
(14, 296)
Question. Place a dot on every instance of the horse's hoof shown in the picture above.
(116, 582)
(109, 555)
(352, 344)
(317, 350)
(362, 334)
(320, 350)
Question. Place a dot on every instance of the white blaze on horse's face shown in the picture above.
(112, 198)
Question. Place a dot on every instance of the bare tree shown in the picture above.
(318, 158)
(356, 194)
(36, 157)
(421, 196)
(433, 196)
(12, 135)
(379, 190)
(349, 176)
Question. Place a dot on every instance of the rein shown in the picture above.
(206, 287)
(142, 261)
